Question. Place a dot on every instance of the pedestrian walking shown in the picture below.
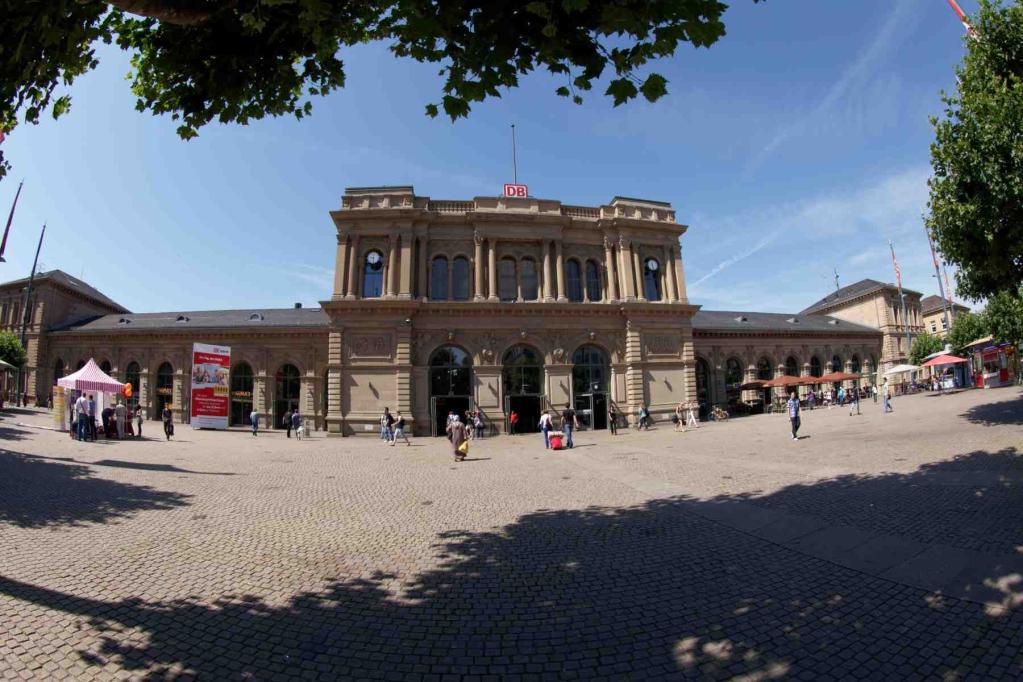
(120, 413)
(678, 418)
(612, 420)
(873, 390)
(254, 420)
(399, 429)
(854, 401)
(296, 424)
(456, 436)
(513, 420)
(841, 396)
(793, 405)
(92, 417)
(478, 424)
(287, 422)
(168, 422)
(644, 417)
(886, 397)
(569, 423)
(139, 416)
(385, 424)
(811, 399)
(545, 428)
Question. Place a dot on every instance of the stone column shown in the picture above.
(548, 294)
(492, 263)
(335, 399)
(178, 392)
(628, 283)
(144, 392)
(634, 392)
(340, 267)
(669, 265)
(353, 267)
(560, 258)
(477, 266)
(403, 365)
(680, 273)
(611, 283)
(392, 266)
(405, 266)
(423, 291)
(637, 270)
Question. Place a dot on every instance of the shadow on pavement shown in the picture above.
(993, 414)
(35, 492)
(647, 591)
(141, 466)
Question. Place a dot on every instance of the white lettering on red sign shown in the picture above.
(516, 190)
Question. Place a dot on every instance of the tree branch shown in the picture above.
(177, 12)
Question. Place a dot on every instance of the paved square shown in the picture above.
(880, 547)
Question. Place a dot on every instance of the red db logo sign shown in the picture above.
(516, 191)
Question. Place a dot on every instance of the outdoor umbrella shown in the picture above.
(944, 360)
(784, 381)
(838, 376)
(752, 386)
(899, 369)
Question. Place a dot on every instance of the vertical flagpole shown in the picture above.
(10, 218)
(515, 163)
(836, 279)
(941, 289)
(902, 296)
(26, 314)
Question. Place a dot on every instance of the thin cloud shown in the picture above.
(729, 262)
(853, 77)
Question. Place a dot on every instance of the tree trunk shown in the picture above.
(177, 12)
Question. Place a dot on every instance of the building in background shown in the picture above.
(490, 304)
(876, 304)
(933, 314)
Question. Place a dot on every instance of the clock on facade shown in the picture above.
(651, 264)
(373, 258)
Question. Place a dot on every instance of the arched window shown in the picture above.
(523, 371)
(791, 367)
(439, 279)
(241, 393)
(593, 288)
(450, 372)
(855, 364)
(131, 376)
(652, 279)
(530, 281)
(733, 372)
(836, 364)
(815, 367)
(591, 370)
(164, 389)
(460, 279)
(287, 383)
(702, 385)
(507, 287)
(58, 370)
(373, 275)
(764, 369)
(573, 281)
(105, 366)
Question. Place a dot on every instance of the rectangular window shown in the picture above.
(507, 287)
(934, 327)
(944, 325)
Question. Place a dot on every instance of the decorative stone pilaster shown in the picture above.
(335, 414)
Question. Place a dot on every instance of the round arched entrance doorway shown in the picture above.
(591, 380)
(286, 391)
(450, 386)
(164, 389)
(522, 381)
(241, 394)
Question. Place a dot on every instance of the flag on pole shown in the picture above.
(970, 31)
(10, 218)
(898, 273)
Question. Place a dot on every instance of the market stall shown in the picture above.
(994, 364)
(942, 365)
(90, 379)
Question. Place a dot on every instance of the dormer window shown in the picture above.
(124, 320)
(181, 318)
(793, 320)
(742, 318)
(256, 317)
(835, 322)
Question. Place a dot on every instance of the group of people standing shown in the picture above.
(850, 397)
(115, 420)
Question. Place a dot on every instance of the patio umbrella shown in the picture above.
(752, 386)
(838, 376)
(783, 381)
(899, 369)
(944, 360)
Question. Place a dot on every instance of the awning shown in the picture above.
(944, 360)
(899, 369)
(91, 378)
(839, 376)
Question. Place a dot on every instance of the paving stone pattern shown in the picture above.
(223, 556)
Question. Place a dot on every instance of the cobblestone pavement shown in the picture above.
(222, 556)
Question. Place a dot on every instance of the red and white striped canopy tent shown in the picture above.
(91, 378)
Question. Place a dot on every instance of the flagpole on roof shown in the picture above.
(10, 218)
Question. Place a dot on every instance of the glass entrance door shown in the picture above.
(591, 410)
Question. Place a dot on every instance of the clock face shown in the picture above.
(651, 265)
(373, 258)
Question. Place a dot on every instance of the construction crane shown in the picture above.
(970, 31)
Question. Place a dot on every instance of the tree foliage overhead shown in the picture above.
(924, 345)
(11, 349)
(1004, 316)
(967, 328)
(233, 61)
(976, 192)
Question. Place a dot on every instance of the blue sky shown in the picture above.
(795, 145)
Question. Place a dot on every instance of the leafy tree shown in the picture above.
(239, 60)
(976, 192)
(966, 328)
(924, 345)
(1005, 316)
(11, 349)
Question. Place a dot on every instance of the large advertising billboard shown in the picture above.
(211, 383)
